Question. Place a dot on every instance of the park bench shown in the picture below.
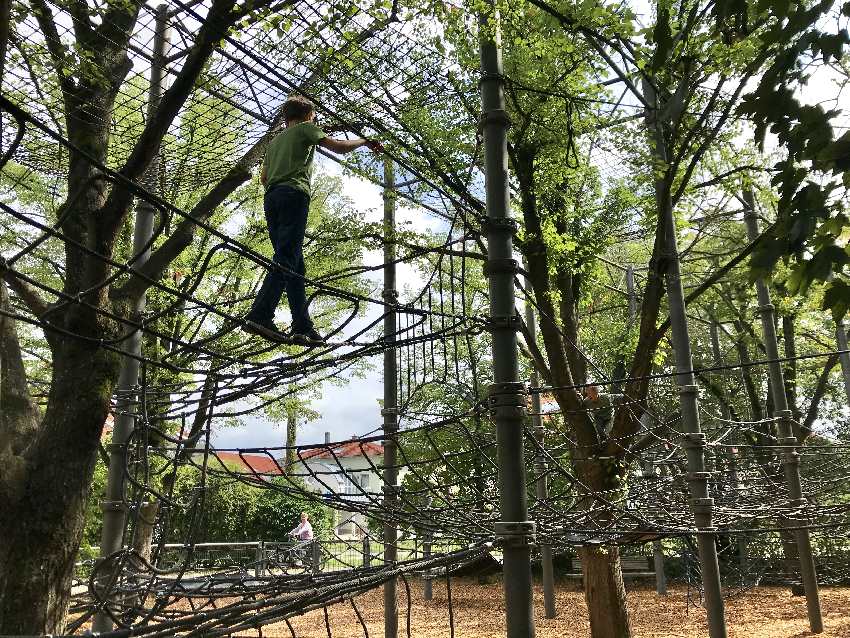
(634, 567)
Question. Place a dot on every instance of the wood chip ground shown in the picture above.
(769, 612)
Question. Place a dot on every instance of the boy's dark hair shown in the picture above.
(297, 108)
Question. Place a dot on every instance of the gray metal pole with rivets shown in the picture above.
(390, 409)
(114, 504)
(844, 357)
(541, 484)
(732, 473)
(507, 395)
(428, 539)
(693, 439)
(789, 443)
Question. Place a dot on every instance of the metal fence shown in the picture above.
(263, 558)
(257, 557)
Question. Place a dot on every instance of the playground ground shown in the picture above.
(766, 612)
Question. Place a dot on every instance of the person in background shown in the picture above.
(600, 407)
(303, 535)
(304, 531)
(286, 174)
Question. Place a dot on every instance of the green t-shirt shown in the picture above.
(289, 159)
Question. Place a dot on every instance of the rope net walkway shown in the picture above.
(361, 68)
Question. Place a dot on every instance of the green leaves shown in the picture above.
(731, 17)
(811, 213)
(832, 45)
(663, 38)
(836, 298)
(836, 156)
(779, 8)
(764, 259)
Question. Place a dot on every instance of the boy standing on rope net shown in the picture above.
(286, 174)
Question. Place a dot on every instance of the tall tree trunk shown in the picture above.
(765, 436)
(756, 409)
(44, 509)
(41, 530)
(18, 416)
(789, 339)
(45, 474)
(143, 537)
(604, 590)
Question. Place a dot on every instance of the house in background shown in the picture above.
(351, 469)
(262, 465)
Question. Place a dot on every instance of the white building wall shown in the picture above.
(338, 477)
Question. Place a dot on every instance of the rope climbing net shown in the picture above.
(198, 370)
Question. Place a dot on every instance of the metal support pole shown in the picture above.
(541, 484)
(791, 455)
(429, 575)
(718, 361)
(260, 566)
(693, 441)
(367, 552)
(660, 576)
(630, 291)
(731, 461)
(390, 410)
(114, 504)
(316, 556)
(507, 395)
(844, 357)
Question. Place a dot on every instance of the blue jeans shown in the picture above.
(286, 216)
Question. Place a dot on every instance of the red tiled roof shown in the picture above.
(263, 464)
(346, 449)
(259, 463)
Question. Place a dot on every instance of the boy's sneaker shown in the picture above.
(265, 329)
(308, 338)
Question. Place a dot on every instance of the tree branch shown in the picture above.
(83, 30)
(532, 351)
(18, 416)
(595, 40)
(239, 173)
(719, 394)
(534, 251)
(820, 390)
(717, 276)
(218, 20)
(757, 412)
(719, 178)
(27, 293)
(44, 17)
